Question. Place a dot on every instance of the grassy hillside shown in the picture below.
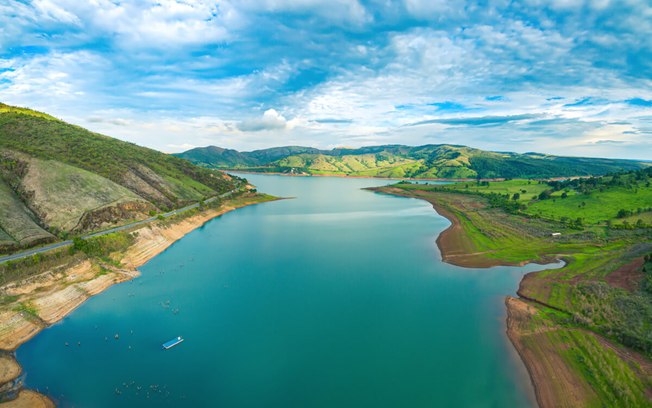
(429, 161)
(17, 222)
(365, 164)
(60, 179)
(165, 180)
(62, 194)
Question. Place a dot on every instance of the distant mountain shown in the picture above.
(429, 161)
(213, 156)
(57, 179)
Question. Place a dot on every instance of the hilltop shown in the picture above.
(429, 161)
(59, 180)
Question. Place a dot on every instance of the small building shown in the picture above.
(555, 234)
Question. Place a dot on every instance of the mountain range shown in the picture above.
(440, 161)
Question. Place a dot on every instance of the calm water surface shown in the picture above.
(335, 298)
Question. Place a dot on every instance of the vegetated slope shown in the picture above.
(59, 179)
(17, 222)
(213, 156)
(429, 161)
(65, 197)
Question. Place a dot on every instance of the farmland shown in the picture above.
(627, 199)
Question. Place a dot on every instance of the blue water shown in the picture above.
(337, 297)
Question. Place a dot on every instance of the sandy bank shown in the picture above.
(47, 298)
(9, 369)
(454, 244)
(29, 399)
(554, 384)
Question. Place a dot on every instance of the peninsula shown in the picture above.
(583, 330)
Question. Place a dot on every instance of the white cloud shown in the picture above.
(169, 74)
(162, 25)
(271, 120)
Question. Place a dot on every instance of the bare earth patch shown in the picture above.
(9, 369)
(628, 276)
(29, 399)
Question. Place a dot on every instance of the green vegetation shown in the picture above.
(614, 381)
(239, 200)
(57, 186)
(165, 180)
(395, 161)
(12, 271)
(606, 286)
(616, 200)
(59, 180)
(103, 245)
(27, 309)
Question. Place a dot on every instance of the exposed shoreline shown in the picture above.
(276, 173)
(63, 291)
(451, 246)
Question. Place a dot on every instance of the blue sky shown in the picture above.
(569, 77)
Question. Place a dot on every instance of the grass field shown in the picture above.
(594, 207)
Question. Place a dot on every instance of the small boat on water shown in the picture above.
(172, 343)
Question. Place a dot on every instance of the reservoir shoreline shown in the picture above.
(62, 291)
(271, 173)
(451, 245)
(153, 240)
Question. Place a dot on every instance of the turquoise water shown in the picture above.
(335, 298)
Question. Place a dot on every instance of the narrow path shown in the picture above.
(56, 245)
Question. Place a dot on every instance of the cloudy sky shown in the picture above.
(567, 77)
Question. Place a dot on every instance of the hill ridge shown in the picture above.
(448, 161)
(59, 179)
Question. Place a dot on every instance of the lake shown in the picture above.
(337, 297)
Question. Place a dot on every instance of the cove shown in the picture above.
(337, 297)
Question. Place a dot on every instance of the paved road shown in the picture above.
(50, 247)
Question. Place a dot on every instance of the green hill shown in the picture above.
(429, 161)
(58, 179)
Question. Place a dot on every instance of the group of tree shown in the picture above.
(586, 185)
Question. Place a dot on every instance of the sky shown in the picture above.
(568, 77)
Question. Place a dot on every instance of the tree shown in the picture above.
(564, 195)
(516, 197)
